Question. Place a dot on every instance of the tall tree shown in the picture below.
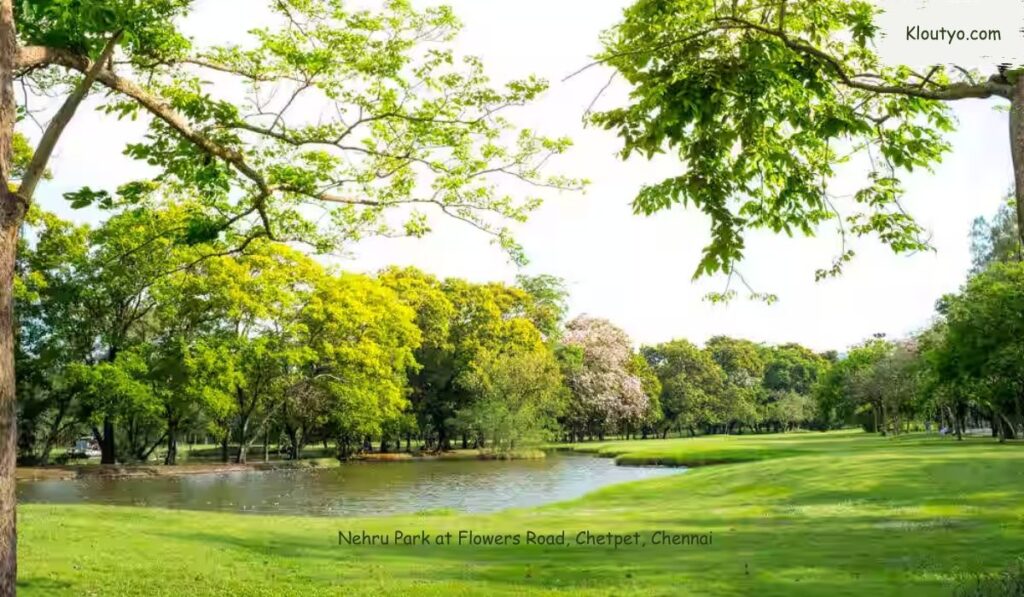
(362, 341)
(791, 374)
(692, 384)
(851, 384)
(762, 101)
(606, 390)
(983, 343)
(549, 305)
(411, 127)
(54, 330)
(519, 397)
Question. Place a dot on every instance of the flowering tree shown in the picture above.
(605, 393)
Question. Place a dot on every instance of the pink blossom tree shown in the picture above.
(605, 394)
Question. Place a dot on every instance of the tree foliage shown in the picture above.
(607, 391)
(763, 102)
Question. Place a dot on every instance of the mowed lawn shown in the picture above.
(799, 514)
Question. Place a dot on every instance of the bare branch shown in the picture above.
(37, 167)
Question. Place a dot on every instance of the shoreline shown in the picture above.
(134, 471)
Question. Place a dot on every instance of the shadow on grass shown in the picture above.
(42, 585)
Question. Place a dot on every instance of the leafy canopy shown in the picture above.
(763, 102)
(329, 125)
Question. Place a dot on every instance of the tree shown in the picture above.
(185, 375)
(995, 240)
(86, 295)
(519, 398)
(651, 385)
(791, 373)
(851, 385)
(412, 128)
(548, 306)
(942, 388)
(763, 100)
(791, 409)
(117, 281)
(982, 344)
(792, 368)
(461, 323)
(605, 393)
(54, 331)
(741, 360)
(362, 341)
(743, 364)
(692, 385)
(434, 314)
(260, 296)
(899, 379)
(116, 391)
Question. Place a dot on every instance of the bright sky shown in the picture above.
(633, 270)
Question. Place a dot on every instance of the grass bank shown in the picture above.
(731, 449)
(806, 514)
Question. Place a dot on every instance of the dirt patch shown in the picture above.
(85, 471)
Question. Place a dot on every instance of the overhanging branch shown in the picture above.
(955, 91)
(37, 167)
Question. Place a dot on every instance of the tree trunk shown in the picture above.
(224, 452)
(54, 433)
(1017, 150)
(172, 445)
(1020, 415)
(144, 452)
(243, 441)
(108, 445)
(1008, 430)
(12, 212)
(10, 220)
(293, 439)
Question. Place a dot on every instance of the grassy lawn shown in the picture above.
(800, 514)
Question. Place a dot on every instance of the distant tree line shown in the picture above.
(138, 335)
(964, 371)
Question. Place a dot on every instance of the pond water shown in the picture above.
(358, 488)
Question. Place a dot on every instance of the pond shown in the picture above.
(358, 488)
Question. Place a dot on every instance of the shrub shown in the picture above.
(1008, 583)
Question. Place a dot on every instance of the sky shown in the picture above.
(635, 270)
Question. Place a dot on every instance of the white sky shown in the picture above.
(633, 270)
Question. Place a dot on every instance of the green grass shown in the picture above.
(802, 514)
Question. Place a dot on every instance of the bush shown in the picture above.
(1008, 583)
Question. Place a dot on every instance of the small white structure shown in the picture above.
(86, 447)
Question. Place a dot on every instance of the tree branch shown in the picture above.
(955, 91)
(160, 109)
(37, 167)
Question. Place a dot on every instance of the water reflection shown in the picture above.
(356, 489)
